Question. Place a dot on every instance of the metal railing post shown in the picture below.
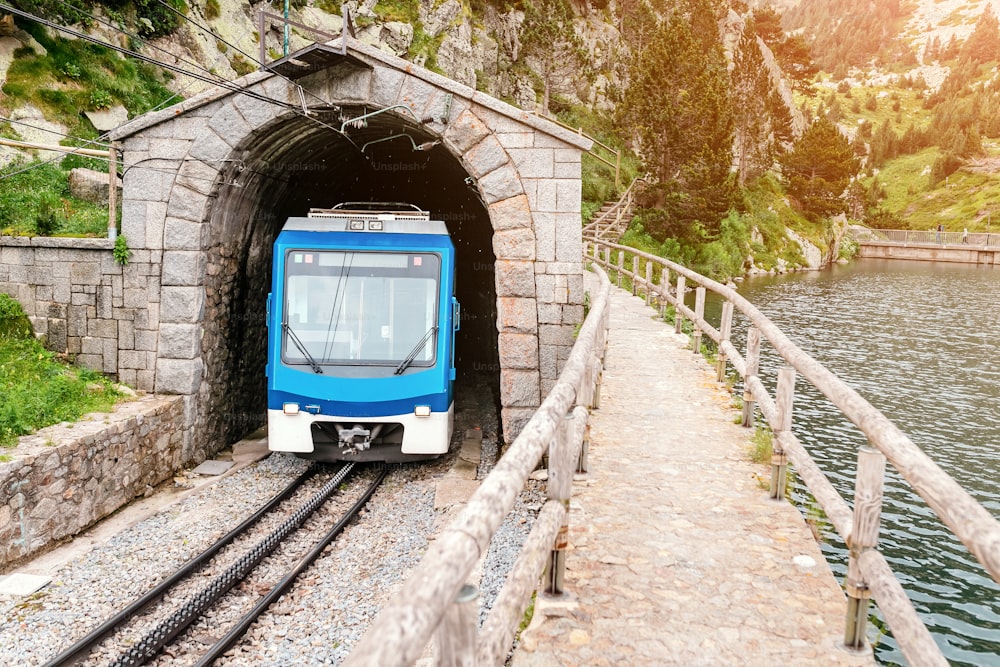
(753, 361)
(868, 487)
(784, 397)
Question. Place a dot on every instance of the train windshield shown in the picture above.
(360, 308)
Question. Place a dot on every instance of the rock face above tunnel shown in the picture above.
(212, 180)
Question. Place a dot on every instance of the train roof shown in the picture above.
(369, 225)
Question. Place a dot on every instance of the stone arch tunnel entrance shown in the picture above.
(209, 183)
(293, 164)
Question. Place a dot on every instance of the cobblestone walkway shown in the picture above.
(678, 556)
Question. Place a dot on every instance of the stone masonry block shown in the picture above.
(466, 131)
(178, 376)
(353, 86)
(556, 334)
(511, 213)
(572, 314)
(182, 234)
(515, 278)
(542, 195)
(256, 112)
(514, 244)
(545, 288)
(519, 388)
(180, 341)
(210, 147)
(197, 176)
(517, 314)
(186, 204)
(183, 267)
(229, 124)
(168, 149)
(500, 184)
(545, 237)
(568, 195)
(533, 162)
(514, 419)
(485, 157)
(85, 273)
(150, 184)
(518, 350)
(550, 313)
(524, 139)
(385, 85)
(569, 240)
(102, 328)
(182, 304)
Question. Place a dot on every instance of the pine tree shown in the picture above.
(818, 169)
(983, 45)
(751, 88)
(678, 109)
(547, 37)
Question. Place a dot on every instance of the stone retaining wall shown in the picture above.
(83, 303)
(66, 477)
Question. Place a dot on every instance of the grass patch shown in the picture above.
(37, 390)
(75, 75)
(37, 202)
(761, 445)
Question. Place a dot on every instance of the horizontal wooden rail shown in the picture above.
(965, 517)
(401, 631)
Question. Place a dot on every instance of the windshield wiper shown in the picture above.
(302, 348)
(416, 350)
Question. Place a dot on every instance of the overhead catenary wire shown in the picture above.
(217, 36)
(223, 83)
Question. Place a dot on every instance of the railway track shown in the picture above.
(118, 633)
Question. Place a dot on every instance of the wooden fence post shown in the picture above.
(664, 290)
(678, 318)
(784, 397)
(864, 536)
(621, 265)
(725, 327)
(699, 312)
(753, 361)
(635, 274)
(560, 487)
(456, 635)
(649, 282)
(112, 192)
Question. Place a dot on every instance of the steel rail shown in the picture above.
(279, 589)
(149, 646)
(79, 651)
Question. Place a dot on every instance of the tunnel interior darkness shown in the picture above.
(295, 163)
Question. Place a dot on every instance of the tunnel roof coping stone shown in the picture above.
(373, 55)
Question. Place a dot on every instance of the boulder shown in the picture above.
(91, 185)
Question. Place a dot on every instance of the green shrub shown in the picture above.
(13, 322)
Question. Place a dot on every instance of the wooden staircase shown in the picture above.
(612, 220)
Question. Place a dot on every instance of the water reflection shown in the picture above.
(920, 341)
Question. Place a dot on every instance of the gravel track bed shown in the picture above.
(317, 622)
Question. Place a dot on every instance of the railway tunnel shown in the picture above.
(295, 164)
(208, 184)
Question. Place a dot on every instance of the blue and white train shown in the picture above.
(361, 324)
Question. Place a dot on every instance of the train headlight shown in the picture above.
(422, 411)
(357, 225)
(290, 408)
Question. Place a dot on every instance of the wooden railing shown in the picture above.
(869, 574)
(436, 597)
(906, 236)
(610, 225)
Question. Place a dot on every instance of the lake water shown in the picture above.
(921, 342)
